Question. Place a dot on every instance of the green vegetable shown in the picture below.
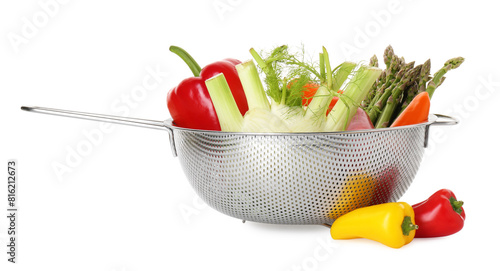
(315, 117)
(279, 106)
(448, 65)
(399, 83)
(384, 119)
(286, 74)
(286, 77)
(419, 86)
(425, 75)
(378, 101)
(373, 61)
(259, 118)
(382, 100)
(230, 118)
(328, 67)
(354, 93)
(252, 86)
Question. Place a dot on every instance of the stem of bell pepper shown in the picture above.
(188, 59)
(456, 204)
(407, 226)
(230, 118)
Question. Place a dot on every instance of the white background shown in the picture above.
(125, 204)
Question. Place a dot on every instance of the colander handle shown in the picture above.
(152, 124)
(448, 121)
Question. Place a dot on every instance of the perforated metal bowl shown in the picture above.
(307, 178)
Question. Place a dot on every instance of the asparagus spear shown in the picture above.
(388, 54)
(380, 103)
(412, 92)
(383, 95)
(392, 102)
(391, 72)
(380, 80)
(421, 84)
(441, 81)
(388, 60)
(391, 63)
(448, 65)
(424, 76)
(396, 64)
(432, 85)
(373, 61)
(402, 61)
(366, 101)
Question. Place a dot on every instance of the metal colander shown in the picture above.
(303, 178)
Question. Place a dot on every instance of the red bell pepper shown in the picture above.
(440, 215)
(385, 185)
(189, 103)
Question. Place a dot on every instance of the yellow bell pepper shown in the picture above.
(392, 224)
(360, 183)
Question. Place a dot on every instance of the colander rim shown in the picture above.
(169, 124)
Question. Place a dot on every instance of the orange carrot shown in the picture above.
(416, 112)
(309, 92)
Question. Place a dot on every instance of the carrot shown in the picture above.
(416, 112)
(309, 92)
(334, 101)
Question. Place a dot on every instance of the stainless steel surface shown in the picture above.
(435, 121)
(308, 178)
(448, 120)
(299, 178)
(153, 124)
(145, 123)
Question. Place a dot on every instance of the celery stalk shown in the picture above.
(252, 86)
(322, 67)
(341, 74)
(229, 115)
(326, 59)
(353, 95)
